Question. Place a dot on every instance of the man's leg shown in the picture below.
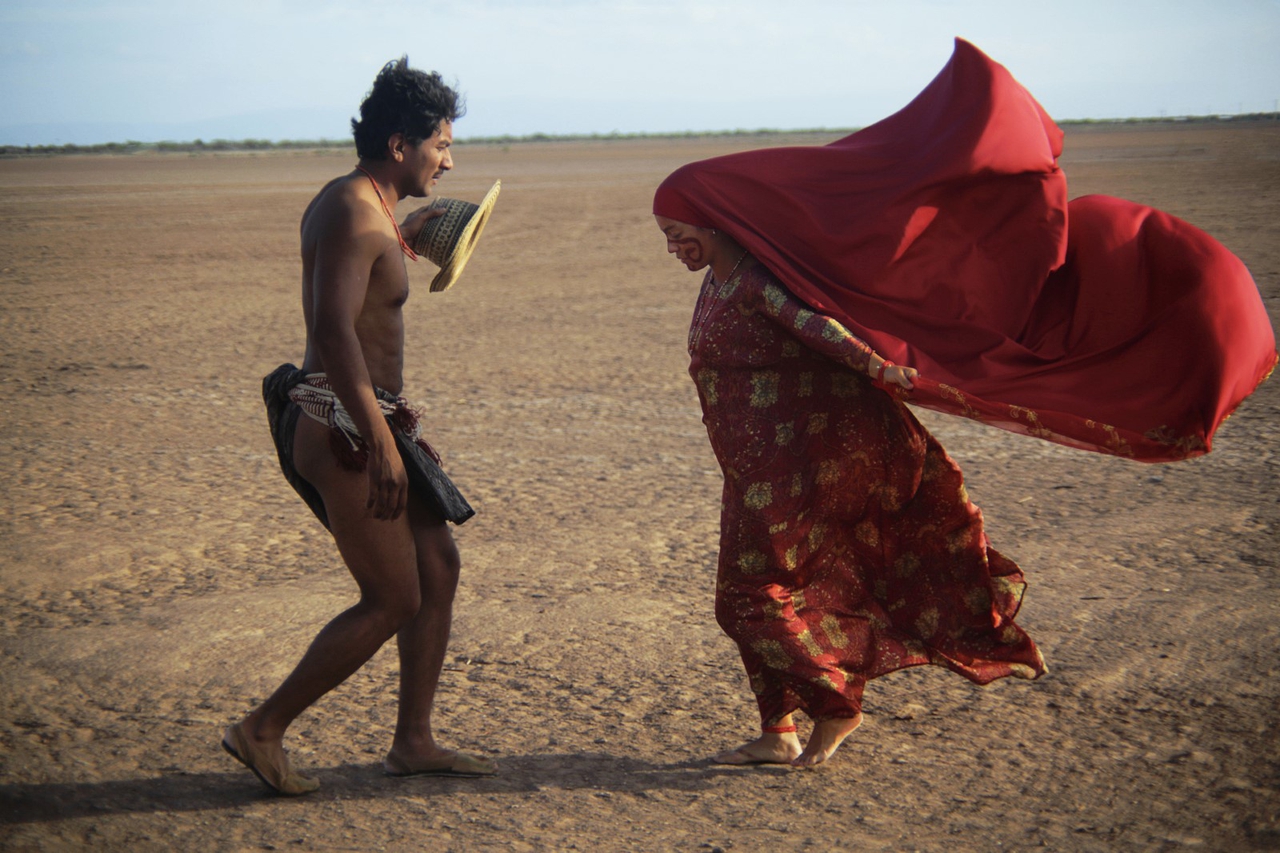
(423, 640)
(381, 556)
(422, 643)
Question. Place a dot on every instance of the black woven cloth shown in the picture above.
(426, 479)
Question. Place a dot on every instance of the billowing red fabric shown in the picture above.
(942, 236)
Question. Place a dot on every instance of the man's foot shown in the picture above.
(267, 761)
(769, 748)
(825, 740)
(449, 763)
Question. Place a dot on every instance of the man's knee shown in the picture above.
(395, 609)
(439, 566)
(441, 572)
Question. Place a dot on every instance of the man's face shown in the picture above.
(430, 159)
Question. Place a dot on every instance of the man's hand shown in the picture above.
(388, 482)
(412, 225)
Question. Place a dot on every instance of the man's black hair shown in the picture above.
(403, 100)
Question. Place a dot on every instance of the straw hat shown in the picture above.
(447, 241)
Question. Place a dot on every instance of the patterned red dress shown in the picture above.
(849, 547)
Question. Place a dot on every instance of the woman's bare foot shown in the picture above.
(769, 748)
(825, 740)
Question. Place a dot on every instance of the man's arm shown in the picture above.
(345, 253)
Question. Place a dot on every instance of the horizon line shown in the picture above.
(252, 144)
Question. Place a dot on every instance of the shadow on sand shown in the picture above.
(38, 803)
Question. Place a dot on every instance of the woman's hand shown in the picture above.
(903, 377)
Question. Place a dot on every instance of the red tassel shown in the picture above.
(430, 451)
(350, 458)
(404, 419)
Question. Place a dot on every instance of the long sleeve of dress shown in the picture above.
(820, 333)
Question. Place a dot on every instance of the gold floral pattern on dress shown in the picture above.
(958, 541)
(828, 472)
(790, 349)
(1005, 586)
(806, 385)
(826, 682)
(846, 676)
(817, 423)
(933, 468)
(1022, 670)
(906, 565)
(784, 433)
(977, 600)
(764, 389)
(810, 644)
(758, 496)
(706, 380)
(752, 562)
(833, 332)
(835, 636)
(775, 299)
(774, 654)
(916, 649)
(876, 619)
(846, 385)
(867, 533)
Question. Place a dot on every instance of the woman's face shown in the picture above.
(690, 244)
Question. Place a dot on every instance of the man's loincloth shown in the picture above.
(282, 394)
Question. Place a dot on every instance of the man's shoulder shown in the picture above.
(341, 203)
(343, 192)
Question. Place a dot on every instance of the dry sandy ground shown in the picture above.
(159, 576)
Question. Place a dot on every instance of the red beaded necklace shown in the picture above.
(404, 247)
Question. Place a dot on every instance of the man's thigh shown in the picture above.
(381, 554)
(437, 554)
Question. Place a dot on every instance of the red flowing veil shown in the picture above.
(942, 236)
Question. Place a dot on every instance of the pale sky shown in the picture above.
(87, 71)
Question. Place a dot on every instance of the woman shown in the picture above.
(848, 546)
(936, 238)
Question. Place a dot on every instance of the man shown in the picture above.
(349, 444)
